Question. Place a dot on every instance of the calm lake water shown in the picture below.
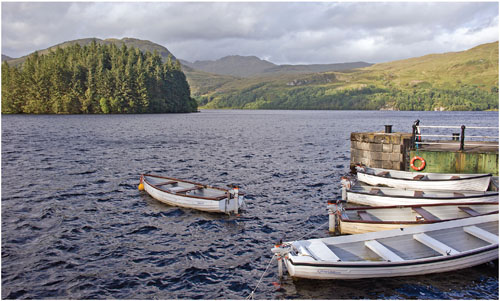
(74, 225)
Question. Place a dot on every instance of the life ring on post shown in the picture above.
(422, 166)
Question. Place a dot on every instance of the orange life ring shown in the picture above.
(422, 166)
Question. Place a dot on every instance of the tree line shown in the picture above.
(95, 79)
(370, 97)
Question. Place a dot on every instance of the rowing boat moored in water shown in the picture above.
(422, 181)
(418, 250)
(193, 195)
(355, 220)
(386, 196)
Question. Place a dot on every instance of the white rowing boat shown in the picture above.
(423, 181)
(384, 196)
(355, 220)
(418, 250)
(193, 195)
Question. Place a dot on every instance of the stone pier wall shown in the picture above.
(381, 150)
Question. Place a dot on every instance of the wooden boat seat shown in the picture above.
(187, 189)
(454, 178)
(321, 251)
(383, 173)
(166, 183)
(418, 177)
(434, 244)
(364, 215)
(425, 214)
(382, 251)
(458, 194)
(482, 234)
(469, 211)
(374, 191)
(418, 194)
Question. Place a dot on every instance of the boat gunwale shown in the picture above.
(189, 182)
(420, 205)
(420, 261)
(425, 180)
(422, 222)
(493, 193)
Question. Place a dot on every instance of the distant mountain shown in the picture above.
(143, 45)
(6, 58)
(465, 80)
(248, 66)
(235, 65)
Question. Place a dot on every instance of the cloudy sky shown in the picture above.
(281, 32)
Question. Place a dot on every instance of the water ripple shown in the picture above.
(74, 225)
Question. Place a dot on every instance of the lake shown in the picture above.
(75, 226)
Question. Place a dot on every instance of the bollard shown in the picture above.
(344, 193)
(331, 217)
(388, 128)
(236, 199)
(280, 266)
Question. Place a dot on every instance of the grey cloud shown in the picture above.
(295, 32)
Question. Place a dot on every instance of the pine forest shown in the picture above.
(95, 79)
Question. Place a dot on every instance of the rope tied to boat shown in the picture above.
(309, 233)
(250, 297)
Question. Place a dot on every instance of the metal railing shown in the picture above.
(456, 138)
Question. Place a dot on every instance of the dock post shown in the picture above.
(462, 138)
(280, 266)
(236, 199)
(332, 216)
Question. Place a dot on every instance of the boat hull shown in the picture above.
(424, 249)
(351, 271)
(388, 200)
(479, 183)
(225, 205)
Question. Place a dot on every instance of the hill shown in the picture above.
(97, 78)
(235, 65)
(6, 58)
(250, 66)
(466, 80)
(143, 45)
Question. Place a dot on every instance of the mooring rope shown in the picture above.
(309, 233)
(250, 297)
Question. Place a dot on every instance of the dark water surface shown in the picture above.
(74, 225)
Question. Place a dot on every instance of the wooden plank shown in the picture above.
(418, 194)
(435, 244)
(383, 173)
(458, 194)
(374, 191)
(166, 183)
(382, 251)
(186, 189)
(364, 215)
(321, 251)
(425, 214)
(418, 177)
(454, 178)
(482, 234)
(469, 211)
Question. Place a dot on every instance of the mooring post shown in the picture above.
(280, 266)
(332, 217)
(236, 199)
(462, 138)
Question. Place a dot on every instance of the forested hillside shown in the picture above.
(466, 80)
(95, 78)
